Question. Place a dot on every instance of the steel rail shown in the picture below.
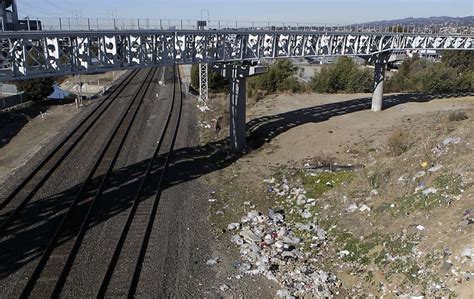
(125, 230)
(85, 224)
(64, 222)
(11, 215)
(152, 215)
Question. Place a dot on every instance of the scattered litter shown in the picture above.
(233, 226)
(344, 253)
(269, 247)
(237, 240)
(352, 208)
(468, 215)
(420, 227)
(284, 294)
(364, 207)
(249, 236)
(424, 164)
(402, 178)
(212, 262)
(212, 200)
(269, 181)
(467, 252)
(203, 108)
(224, 287)
(419, 174)
(435, 168)
(306, 214)
(451, 140)
(420, 187)
(429, 191)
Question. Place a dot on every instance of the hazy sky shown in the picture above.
(316, 11)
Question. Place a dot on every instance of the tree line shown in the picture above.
(454, 73)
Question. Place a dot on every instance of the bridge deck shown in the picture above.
(32, 54)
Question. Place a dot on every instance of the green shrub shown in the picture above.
(343, 76)
(280, 77)
(454, 74)
(217, 83)
(36, 89)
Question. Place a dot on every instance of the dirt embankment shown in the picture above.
(24, 132)
(399, 224)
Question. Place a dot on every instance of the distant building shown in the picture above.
(9, 18)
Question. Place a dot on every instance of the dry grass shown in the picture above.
(458, 115)
(398, 143)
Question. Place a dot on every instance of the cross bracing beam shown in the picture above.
(25, 55)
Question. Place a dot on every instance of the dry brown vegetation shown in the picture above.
(398, 143)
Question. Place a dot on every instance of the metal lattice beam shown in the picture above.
(26, 55)
(203, 82)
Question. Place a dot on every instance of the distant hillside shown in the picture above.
(432, 21)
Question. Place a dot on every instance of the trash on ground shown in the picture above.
(451, 140)
(212, 262)
(270, 247)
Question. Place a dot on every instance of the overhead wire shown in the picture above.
(40, 9)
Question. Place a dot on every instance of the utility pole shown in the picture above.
(79, 96)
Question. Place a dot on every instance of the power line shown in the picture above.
(40, 9)
(57, 8)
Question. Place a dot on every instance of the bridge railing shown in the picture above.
(101, 24)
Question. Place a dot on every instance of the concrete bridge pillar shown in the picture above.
(379, 77)
(237, 76)
(380, 60)
(238, 112)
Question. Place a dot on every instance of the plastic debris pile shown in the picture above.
(443, 148)
(272, 247)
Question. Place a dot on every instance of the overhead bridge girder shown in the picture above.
(25, 55)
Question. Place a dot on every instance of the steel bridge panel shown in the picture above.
(26, 55)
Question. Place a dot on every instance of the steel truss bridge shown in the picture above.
(33, 54)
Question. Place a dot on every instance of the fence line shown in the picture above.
(93, 24)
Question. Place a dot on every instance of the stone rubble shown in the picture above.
(271, 247)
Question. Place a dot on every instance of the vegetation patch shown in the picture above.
(454, 74)
(319, 183)
(343, 76)
(457, 115)
(397, 143)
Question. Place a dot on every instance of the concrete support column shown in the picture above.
(377, 97)
(380, 61)
(238, 113)
(237, 76)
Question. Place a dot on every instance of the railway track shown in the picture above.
(48, 269)
(131, 238)
(21, 196)
(123, 272)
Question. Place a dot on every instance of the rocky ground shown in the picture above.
(333, 199)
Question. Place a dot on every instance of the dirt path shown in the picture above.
(332, 129)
